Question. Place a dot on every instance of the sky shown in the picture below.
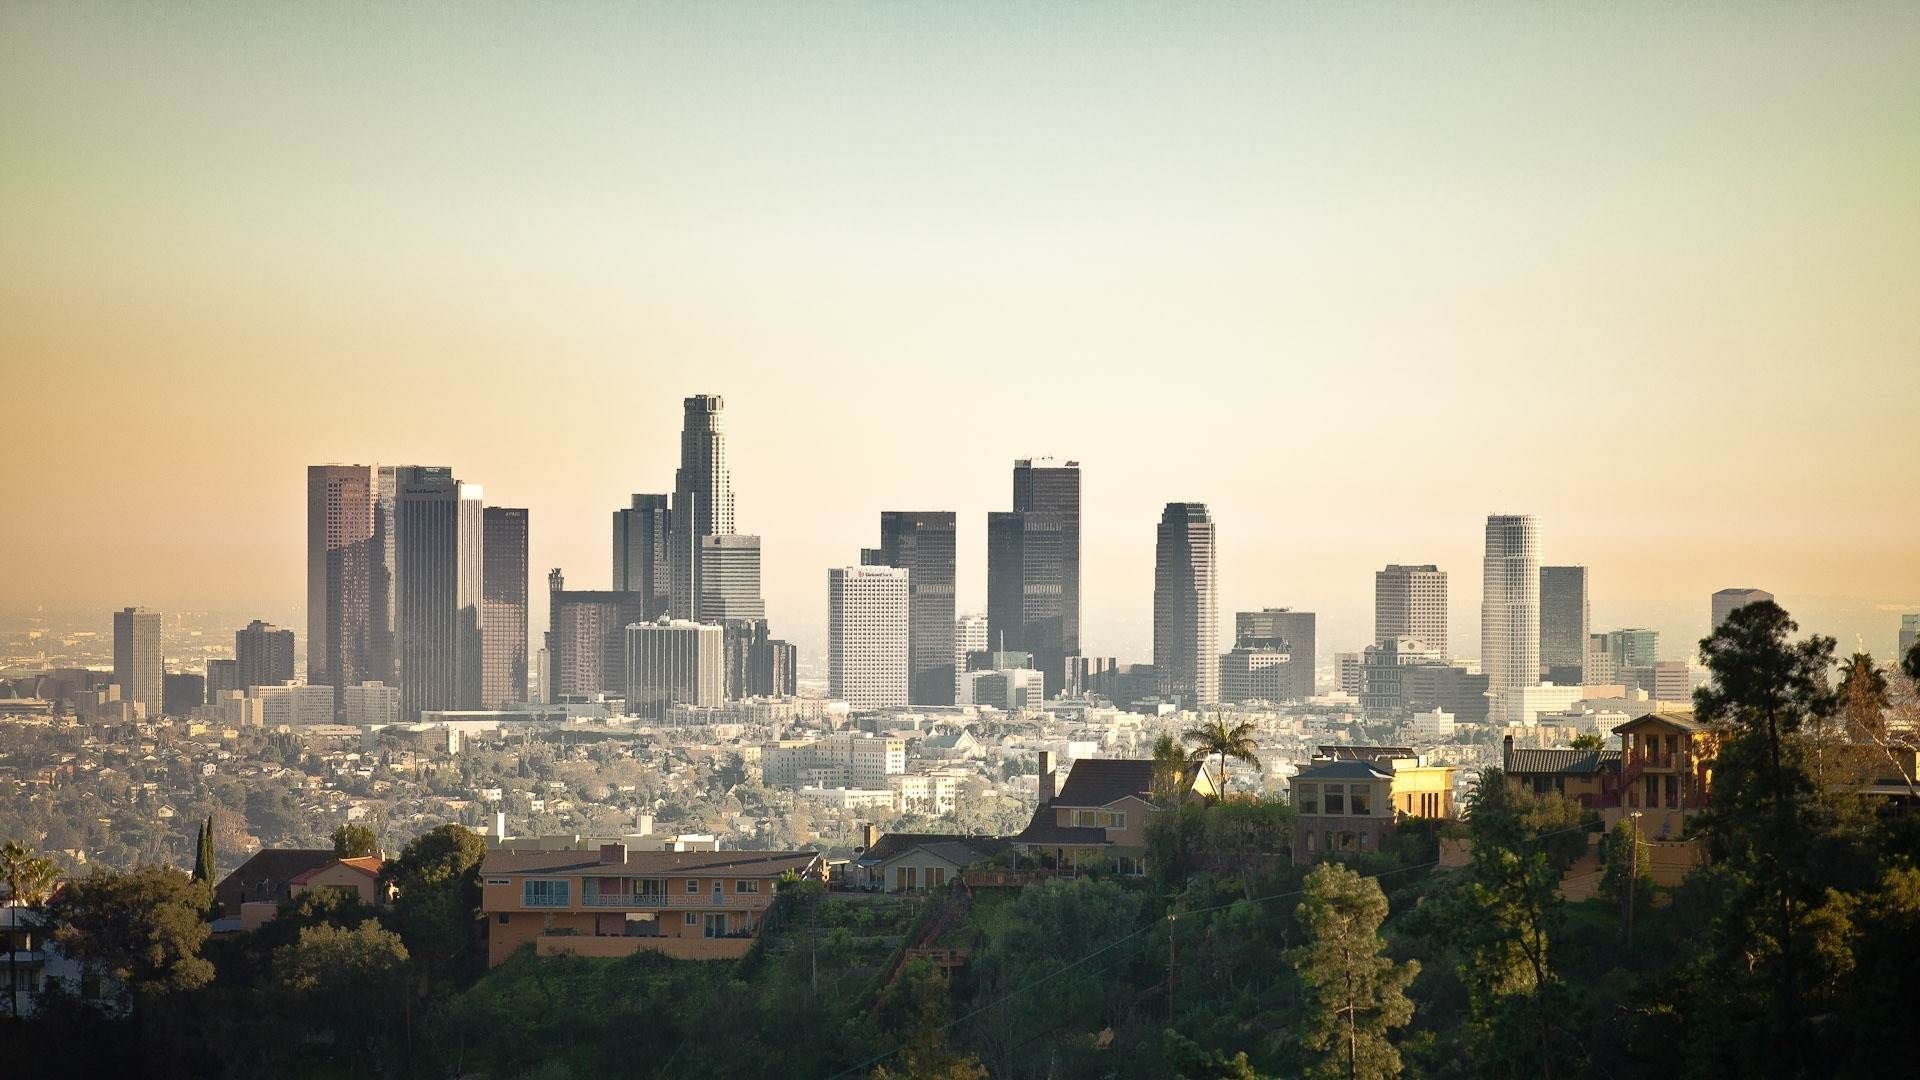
(1354, 275)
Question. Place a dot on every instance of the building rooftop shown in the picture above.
(1100, 781)
(651, 863)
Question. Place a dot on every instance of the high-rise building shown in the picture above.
(922, 543)
(1909, 633)
(1256, 671)
(587, 640)
(674, 662)
(729, 577)
(1727, 601)
(383, 660)
(969, 636)
(222, 676)
(438, 574)
(263, 655)
(137, 666)
(1287, 630)
(1033, 567)
(1383, 670)
(1186, 617)
(1411, 602)
(1348, 674)
(642, 536)
(1633, 648)
(340, 574)
(1565, 618)
(867, 636)
(1670, 681)
(1601, 670)
(181, 693)
(1448, 687)
(702, 497)
(775, 669)
(1510, 611)
(503, 607)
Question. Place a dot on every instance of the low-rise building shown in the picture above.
(1350, 798)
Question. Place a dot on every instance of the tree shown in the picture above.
(1215, 739)
(1589, 740)
(1169, 771)
(437, 875)
(924, 1053)
(144, 927)
(203, 865)
(351, 841)
(1354, 996)
(1766, 692)
(349, 981)
(1864, 700)
(29, 877)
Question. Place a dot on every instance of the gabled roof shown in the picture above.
(956, 850)
(1343, 770)
(365, 864)
(1101, 781)
(892, 845)
(766, 864)
(1672, 717)
(1562, 762)
(267, 874)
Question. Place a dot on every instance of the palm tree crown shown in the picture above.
(1214, 739)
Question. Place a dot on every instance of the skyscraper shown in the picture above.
(969, 636)
(503, 607)
(673, 662)
(867, 636)
(922, 543)
(1565, 618)
(702, 496)
(137, 666)
(642, 536)
(1186, 617)
(729, 579)
(438, 577)
(1282, 629)
(383, 662)
(1633, 648)
(1033, 567)
(1411, 602)
(340, 575)
(1909, 633)
(1510, 612)
(587, 639)
(263, 655)
(1726, 601)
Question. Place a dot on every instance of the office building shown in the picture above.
(1008, 689)
(340, 565)
(1286, 630)
(587, 642)
(263, 655)
(503, 607)
(1565, 623)
(1411, 602)
(642, 537)
(222, 676)
(922, 543)
(774, 670)
(1449, 687)
(297, 705)
(1088, 676)
(438, 577)
(370, 703)
(702, 497)
(1727, 601)
(1633, 648)
(137, 667)
(1256, 672)
(867, 636)
(383, 659)
(674, 662)
(1033, 567)
(1348, 676)
(1601, 670)
(1510, 611)
(181, 693)
(969, 636)
(729, 579)
(1670, 681)
(1909, 633)
(1383, 667)
(1186, 617)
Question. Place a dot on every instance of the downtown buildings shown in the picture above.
(1510, 612)
(262, 655)
(923, 544)
(1033, 567)
(1186, 619)
(1566, 614)
(867, 631)
(1411, 602)
(137, 659)
(1727, 601)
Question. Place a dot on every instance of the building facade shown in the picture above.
(438, 578)
(702, 496)
(923, 543)
(642, 537)
(137, 659)
(674, 662)
(263, 655)
(1727, 601)
(1284, 629)
(969, 636)
(1411, 602)
(1510, 611)
(587, 640)
(729, 579)
(503, 608)
(340, 565)
(867, 662)
(1033, 567)
(1566, 615)
(1186, 617)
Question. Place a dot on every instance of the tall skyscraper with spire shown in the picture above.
(1186, 616)
(702, 496)
(1510, 613)
(1033, 567)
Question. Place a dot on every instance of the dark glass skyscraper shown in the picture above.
(340, 561)
(263, 654)
(1186, 616)
(642, 535)
(922, 541)
(1033, 567)
(438, 574)
(1565, 614)
(503, 608)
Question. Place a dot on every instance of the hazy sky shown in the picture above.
(1356, 275)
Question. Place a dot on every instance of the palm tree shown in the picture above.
(1169, 770)
(1214, 739)
(29, 877)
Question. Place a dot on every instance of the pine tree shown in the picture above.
(1354, 995)
(203, 854)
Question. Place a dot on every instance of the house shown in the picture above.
(1352, 802)
(1666, 769)
(694, 905)
(1099, 813)
(357, 878)
(1591, 777)
(34, 961)
(252, 893)
(916, 862)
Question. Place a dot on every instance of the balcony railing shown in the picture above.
(705, 901)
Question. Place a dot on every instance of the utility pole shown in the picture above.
(1633, 874)
(1171, 961)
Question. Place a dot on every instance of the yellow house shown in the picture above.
(695, 905)
(1351, 799)
(1666, 769)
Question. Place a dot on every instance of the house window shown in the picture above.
(1362, 800)
(693, 918)
(503, 918)
(745, 885)
(936, 876)
(546, 892)
(1117, 819)
(1363, 841)
(1310, 835)
(1308, 798)
(693, 887)
(1336, 798)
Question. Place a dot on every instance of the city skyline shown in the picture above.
(1429, 270)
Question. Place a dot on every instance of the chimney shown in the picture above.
(1046, 777)
(869, 835)
(499, 826)
(613, 854)
(1506, 752)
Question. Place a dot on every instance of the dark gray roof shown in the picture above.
(1343, 770)
(1100, 781)
(266, 874)
(1676, 716)
(1043, 830)
(895, 844)
(1562, 762)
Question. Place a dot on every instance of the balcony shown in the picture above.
(702, 901)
